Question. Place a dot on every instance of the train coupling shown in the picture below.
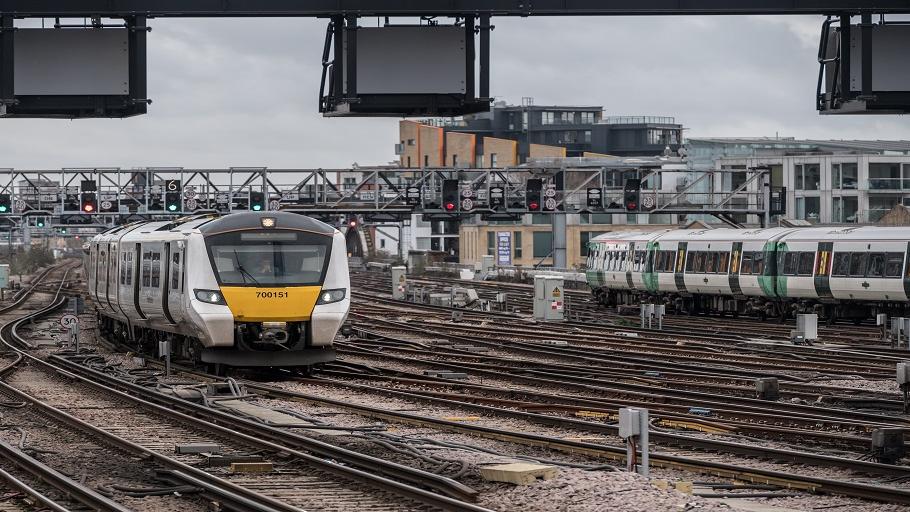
(274, 333)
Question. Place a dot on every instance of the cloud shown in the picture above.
(243, 92)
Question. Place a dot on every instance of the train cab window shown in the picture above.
(858, 264)
(893, 264)
(745, 266)
(876, 265)
(806, 261)
(841, 265)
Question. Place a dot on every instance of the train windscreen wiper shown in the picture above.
(243, 272)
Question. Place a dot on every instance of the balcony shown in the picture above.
(888, 184)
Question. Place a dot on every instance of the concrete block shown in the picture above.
(684, 487)
(519, 473)
(217, 461)
(197, 448)
(251, 467)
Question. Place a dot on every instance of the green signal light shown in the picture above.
(172, 207)
(3, 209)
(257, 207)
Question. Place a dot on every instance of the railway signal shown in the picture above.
(632, 194)
(257, 201)
(533, 192)
(172, 199)
(40, 222)
(450, 195)
(6, 205)
(88, 202)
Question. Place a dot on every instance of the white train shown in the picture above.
(837, 272)
(246, 289)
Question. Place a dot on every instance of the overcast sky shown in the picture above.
(244, 92)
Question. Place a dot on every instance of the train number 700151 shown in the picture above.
(271, 295)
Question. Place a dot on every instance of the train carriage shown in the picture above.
(837, 272)
(247, 289)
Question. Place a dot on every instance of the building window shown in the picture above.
(808, 176)
(657, 138)
(409, 161)
(516, 244)
(382, 243)
(587, 118)
(426, 160)
(845, 176)
(543, 244)
(674, 137)
(588, 136)
(808, 208)
(845, 210)
(493, 161)
(454, 160)
(349, 183)
(524, 120)
(540, 218)
(410, 142)
(491, 243)
(567, 117)
(547, 117)
(885, 176)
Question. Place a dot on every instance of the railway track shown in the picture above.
(327, 478)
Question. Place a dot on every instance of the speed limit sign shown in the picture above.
(69, 321)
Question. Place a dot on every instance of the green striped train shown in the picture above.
(836, 272)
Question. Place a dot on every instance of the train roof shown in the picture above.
(842, 234)
(630, 236)
(253, 220)
(723, 234)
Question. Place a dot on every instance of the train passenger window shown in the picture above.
(894, 264)
(791, 262)
(858, 264)
(690, 262)
(841, 265)
(758, 263)
(156, 270)
(671, 261)
(745, 267)
(146, 269)
(701, 258)
(175, 271)
(806, 261)
(876, 265)
(724, 262)
(659, 263)
(710, 262)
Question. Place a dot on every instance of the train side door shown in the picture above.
(176, 285)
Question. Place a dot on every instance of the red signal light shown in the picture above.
(89, 208)
(450, 206)
(631, 205)
(533, 206)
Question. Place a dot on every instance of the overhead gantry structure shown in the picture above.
(88, 58)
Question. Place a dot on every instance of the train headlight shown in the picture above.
(210, 296)
(330, 296)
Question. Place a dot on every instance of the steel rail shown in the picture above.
(19, 485)
(668, 439)
(71, 488)
(715, 400)
(217, 487)
(369, 469)
(804, 482)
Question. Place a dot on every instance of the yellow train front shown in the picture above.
(246, 289)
